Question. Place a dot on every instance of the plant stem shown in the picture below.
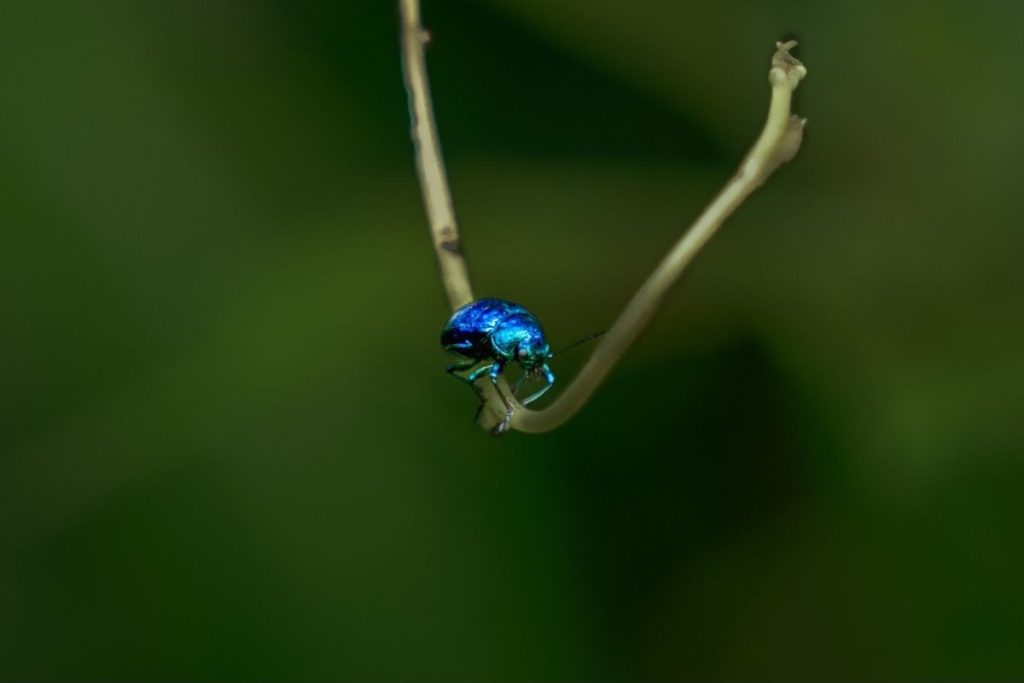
(437, 198)
(779, 142)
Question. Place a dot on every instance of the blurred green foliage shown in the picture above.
(227, 446)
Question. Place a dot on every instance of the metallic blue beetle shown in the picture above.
(497, 332)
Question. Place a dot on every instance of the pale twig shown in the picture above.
(433, 180)
(778, 143)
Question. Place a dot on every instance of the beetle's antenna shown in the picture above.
(578, 342)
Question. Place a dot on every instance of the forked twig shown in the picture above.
(778, 143)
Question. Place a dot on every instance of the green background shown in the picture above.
(228, 449)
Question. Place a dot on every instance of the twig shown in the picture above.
(778, 143)
(437, 199)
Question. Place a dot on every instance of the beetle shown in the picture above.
(496, 332)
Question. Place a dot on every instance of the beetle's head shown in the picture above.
(532, 353)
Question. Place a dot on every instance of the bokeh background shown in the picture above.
(229, 449)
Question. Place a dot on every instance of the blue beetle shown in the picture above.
(496, 332)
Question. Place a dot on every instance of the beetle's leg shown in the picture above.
(459, 348)
(458, 367)
(495, 374)
(465, 363)
(519, 382)
(549, 378)
(476, 374)
(494, 370)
